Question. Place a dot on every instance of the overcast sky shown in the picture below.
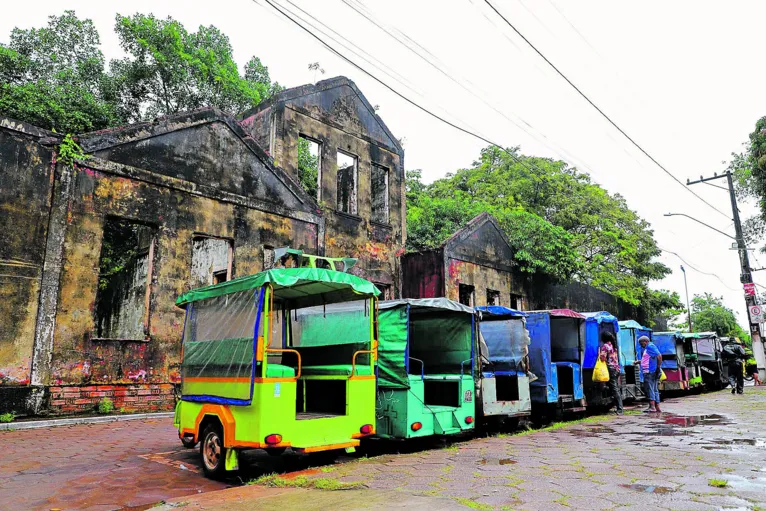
(679, 77)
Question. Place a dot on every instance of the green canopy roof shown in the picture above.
(301, 287)
(632, 324)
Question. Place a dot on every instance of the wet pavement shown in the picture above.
(707, 452)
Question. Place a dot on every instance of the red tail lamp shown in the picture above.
(274, 439)
(416, 426)
(366, 429)
(469, 420)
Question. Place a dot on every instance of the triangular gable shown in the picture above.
(481, 241)
(205, 147)
(340, 99)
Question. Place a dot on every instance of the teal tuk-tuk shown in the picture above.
(627, 339)
(503, 384)
(425, 368)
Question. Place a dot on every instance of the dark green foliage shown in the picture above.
(557, 220)
(308, 167)
(749, 168)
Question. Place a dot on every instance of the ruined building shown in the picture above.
(476, 266)
(93, 255)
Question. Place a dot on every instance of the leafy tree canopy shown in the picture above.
(749, 168)
(557, 219)
(55, 77)
(709, 314)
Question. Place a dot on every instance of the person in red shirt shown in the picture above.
(609, 353)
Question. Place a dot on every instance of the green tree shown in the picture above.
(593, 236)
(54, 77)
(709, 314)
(169, 70)
(663, 305)
(308, 167)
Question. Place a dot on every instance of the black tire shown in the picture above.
(212, 452)
(188, 442)
(276, 451)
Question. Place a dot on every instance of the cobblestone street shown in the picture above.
(706, 452)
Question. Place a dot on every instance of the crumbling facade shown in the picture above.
(95, 253)
(475, 266)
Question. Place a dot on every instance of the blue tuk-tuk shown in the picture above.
(627, 338)
(597, 323)
(503, 385)
(555, 354)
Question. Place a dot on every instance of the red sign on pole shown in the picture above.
(749, 289)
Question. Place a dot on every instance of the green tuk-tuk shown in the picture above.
(425, 368)
(283, 358)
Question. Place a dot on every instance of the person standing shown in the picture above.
(736, 356)
(651, 368)
(609, 353)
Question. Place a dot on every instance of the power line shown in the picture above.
(640, 148)
(698, 270)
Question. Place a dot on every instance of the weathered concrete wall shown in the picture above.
(335, 114)
(483, 278)
(26, 180)
(423, 274)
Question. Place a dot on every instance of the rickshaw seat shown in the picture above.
(336, 370)
(279, 371)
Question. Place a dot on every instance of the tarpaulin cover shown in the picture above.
(595, 324)
(507, 340)
(627, 339)
(568, 313)
(706, 346)
(437, 331)
(301, 287)
(498, 310)
(338, 323)
(218, 343)
(666, 343)
(545, 388)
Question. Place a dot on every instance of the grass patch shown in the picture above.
(7, 417)
(563, 501)
(105, 406)
(473, 504)
(328, 469)
(322, 483)
(717, 483)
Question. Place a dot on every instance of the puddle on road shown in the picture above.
(503, 461)
(743, 484)
(645, 488)
(592, 431)
(689, 421)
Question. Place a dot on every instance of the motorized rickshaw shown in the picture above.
(502, 382)
(671, 346)
(425, 368)
(627, 339)
(283, 358)
(597, 323)
(710, 360)
(555, 355)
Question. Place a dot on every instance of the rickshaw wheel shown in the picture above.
(188, 442)
(213, 452)
(276, 451)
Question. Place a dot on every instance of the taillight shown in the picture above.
(366, 429)
(416, 426)
(469, 420)
(273, 439)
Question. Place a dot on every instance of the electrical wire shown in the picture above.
(609, 119)
(698, 270)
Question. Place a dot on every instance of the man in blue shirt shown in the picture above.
(651, 368)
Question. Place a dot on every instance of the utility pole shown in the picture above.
(688, 309)
(746, 275)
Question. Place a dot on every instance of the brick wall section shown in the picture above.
(129, 398)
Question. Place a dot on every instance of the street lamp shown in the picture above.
(688, 309)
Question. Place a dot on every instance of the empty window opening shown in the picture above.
(124, 280)
(566, 380)
(442, 393)
(379, 193)
(515, 301)
(320, 398)
(211, 261)
(465, 294)
(347, 166)
(310, 165)
(268, 257)
(493, 297)
(507, 388)
(385, 291)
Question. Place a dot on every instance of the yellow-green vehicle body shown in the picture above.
(284, 358)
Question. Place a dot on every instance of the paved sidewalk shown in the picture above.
(635, 461)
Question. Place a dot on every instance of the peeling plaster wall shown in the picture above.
(26, 180)
(336, 117)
